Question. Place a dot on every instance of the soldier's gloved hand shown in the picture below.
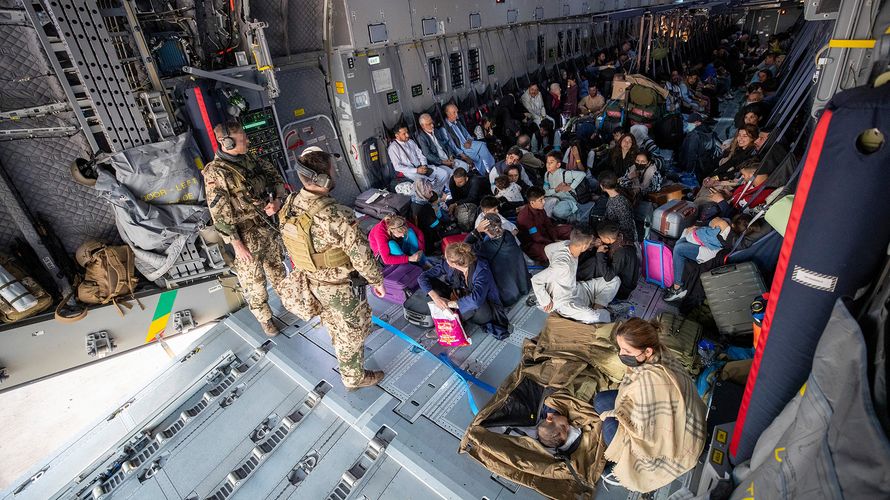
(379, 290)
(241, 251)
(272, 207)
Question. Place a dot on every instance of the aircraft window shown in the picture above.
(377, 33)
(456, 64)
(539, 13)
(475, 21)
(566, 10)
(429, 26)
(436, 77)
(569, 44)
(560, 39)
(512, 16)
(474, 65)
(540, 49)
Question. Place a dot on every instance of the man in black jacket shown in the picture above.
(466, 188)
(612, 256)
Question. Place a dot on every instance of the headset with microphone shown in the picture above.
(226, 141)
(323, 181)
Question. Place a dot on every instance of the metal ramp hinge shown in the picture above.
(371, 457)
(99, 344)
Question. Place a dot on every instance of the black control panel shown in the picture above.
(262, 130)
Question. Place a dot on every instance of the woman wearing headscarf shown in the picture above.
(428, 214)
(501, 249)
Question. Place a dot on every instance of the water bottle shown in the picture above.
(631, 312)
(707, 350)
(14, 292)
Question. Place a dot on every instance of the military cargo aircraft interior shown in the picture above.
(485, 249)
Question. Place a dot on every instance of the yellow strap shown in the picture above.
(851, 44)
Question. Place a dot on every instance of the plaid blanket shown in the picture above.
(662, 428)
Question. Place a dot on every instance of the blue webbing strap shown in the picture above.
(464, 377)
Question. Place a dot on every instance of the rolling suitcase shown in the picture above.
(379, 203)
(681, 336)
(417, 310)
(400, 282)
(673, 217)
(658, 264)
(730, 291)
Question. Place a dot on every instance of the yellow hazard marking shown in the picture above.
(851, 44)
(778, 458)
(157, 326)
(721, 436)
(341, 88)
(717, 457)
(803, 388)
(299, 112)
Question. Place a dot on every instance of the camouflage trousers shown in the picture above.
(267, 265)
(347, 318)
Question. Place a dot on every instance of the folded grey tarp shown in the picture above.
(157, 195)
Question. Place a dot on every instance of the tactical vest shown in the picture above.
(297, 237)
(240, 185)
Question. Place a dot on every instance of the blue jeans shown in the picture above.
(683, 251)
(605, 401)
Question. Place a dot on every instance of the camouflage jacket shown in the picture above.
(335, 226)
(237, 188)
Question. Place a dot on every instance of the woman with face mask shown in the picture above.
(654, 424)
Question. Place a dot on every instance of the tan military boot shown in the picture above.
(270, 328)
(370, 378)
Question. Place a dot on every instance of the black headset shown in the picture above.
(226, 141)
(323, 181)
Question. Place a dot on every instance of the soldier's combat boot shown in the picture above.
(370, 378)
(270, 328)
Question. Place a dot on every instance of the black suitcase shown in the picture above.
(730, 291)
(379, 203)
(417, 310)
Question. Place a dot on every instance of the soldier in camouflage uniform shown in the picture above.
(329, 250)
(242, 190)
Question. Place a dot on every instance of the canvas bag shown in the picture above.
(110, 274)
(8, 313)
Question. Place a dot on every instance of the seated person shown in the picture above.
(408, 159)
(618, 206)
(524, 143)
(701, 244)
(465, 284)
(592, 104)
(513, 158)
(462, 140)
(514, 173)
(557, 288)
(561, 187)
(621, 157)
(466, 188)
(536, 229)
(533, 103)
(509, 194)
(437, 148)
(644, 177)
(501, 250)
(553, 103)
(647, 447)
(740, 150)
(428, 215)
(612, 256)
(396, 241)
(491, 206)
(749, 194)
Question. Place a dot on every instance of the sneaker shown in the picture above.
(673, 294)
(370, 378)
(270, 328)
(608, 476)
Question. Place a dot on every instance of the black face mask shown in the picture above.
(629, 360)
(434, 198)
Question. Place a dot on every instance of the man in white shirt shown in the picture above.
(461, 140)
(557, 289)
(407, 158)
(513, 157)
(534, 105)
(439, 150)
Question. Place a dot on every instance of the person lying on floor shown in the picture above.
(499, 247)
(465, 284)
(556, 432)
(557, 288)
(654, 424)
(536, 228)
(613, 256)
(396, 241)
